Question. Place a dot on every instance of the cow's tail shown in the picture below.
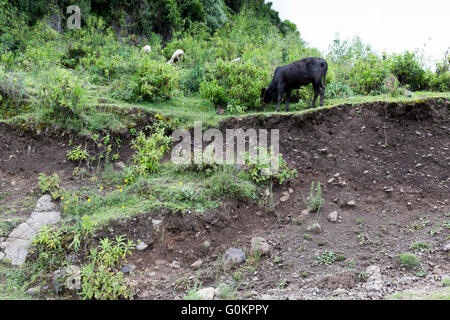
(324, 76)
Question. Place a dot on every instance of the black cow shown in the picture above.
(293, 76)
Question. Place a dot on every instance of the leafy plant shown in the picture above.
(327, 257)
(149, 151)
(315, 201)
(263, 170)
(50, 184)
(409, 260)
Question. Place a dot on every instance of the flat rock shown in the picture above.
(234, 256)
(128, 268)
(2, 255)
(446, 246)
(141, 246)
(333, 216)
(45, 203)
(316, 228)
(260, 245)
(206, 293)
(197, 264)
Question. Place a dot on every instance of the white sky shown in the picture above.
(387, 25)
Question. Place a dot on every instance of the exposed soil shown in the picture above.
(391, 159)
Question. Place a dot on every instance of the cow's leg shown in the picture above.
(316, 94)
(279, 96)
(322, 94)
(288, 98)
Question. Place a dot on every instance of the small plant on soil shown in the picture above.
(409, 260)
(49, 247)
(359, 222)
(445, 282)
(361, 276)
(78, 154)
(341, 257)
(419, 246)
(149, 151)
(192, 292)
(99, 279)
(315, 201)
(50, 184)
(307, 236)
(327, 257)
(261, 170)
(283, 283)
(364, 239)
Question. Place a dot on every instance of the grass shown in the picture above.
(409, 260)
(439, 294)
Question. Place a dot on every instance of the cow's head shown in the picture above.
(268, 94)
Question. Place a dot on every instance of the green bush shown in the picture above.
(235, 84)
(13, 94)
(149, 151)
(409, 260)
(408, 70)
(63, 97)
(153, 81)
(261, 171)
(191, 81)
(369, 74)
(50, 184)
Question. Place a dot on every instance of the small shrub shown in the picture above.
(409, 260)
(408, 70)
(315, 201)
(149, 151)
(63, 97)
(261, 171)
(327, 257)
(50, 184)
(78, 154)
(191, 81)
(48, 245)
(237, 82)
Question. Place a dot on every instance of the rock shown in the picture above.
(234, 256)
(160, 262)
(316, 228)
(217, 293)
(156, 222)
(407, 93)
(305, 212)
(375, 281)
(351, 203)
(197, 264)
(206, 293)
(119, 165)
(285, 197)
(333, 216)
(175, 264)
(330, 180)
(33, 291)
(45, 203)
(339, 291)
(2, 255)
(290, 190)
(146, 49)
(141, 246)
(128, 268)
(260, 245)
(446, 246)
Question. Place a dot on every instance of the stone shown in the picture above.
(206, 293)
(333, 216)
(285, 197)
(316, 228)
(305, 212)
(38, 220)
(45, 203)
(375, 281)
(290, 190)
(446, 246)
(234, 256)
(197, 264)
(175, 264)
(260, 245)
(128, 268)
(119, 165)
(141, 246)
(351, 203)
(156, 222)
(33, 291)
(2, 255)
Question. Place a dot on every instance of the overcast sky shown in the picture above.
(388, 25)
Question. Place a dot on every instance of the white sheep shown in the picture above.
(146, 49)
(177, 55)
